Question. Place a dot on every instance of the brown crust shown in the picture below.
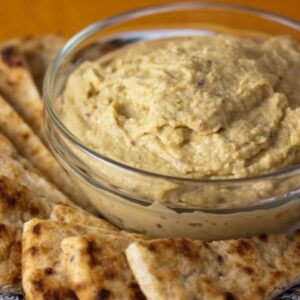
(29, 145)
(43, 269)
(101, 269)
(257, 268)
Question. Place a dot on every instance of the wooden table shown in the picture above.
(27, 17)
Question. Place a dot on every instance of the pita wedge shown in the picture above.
(15, 170)
(7, 149)
(32, 148)
(97, 268)
(67, 214)
(17, 86)
(39, 51)
(43, 273)
(24, 194)
(256, 268)
(17, 205)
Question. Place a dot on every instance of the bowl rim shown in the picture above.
(93, 28)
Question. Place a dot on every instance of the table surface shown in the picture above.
(27, 17)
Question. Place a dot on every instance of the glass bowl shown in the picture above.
(141, 201)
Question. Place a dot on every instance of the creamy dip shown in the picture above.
(215, 106)
(198, 107)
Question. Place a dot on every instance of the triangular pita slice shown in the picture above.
(7, 150)
(31, 147)
(256, 268)
(43, 273)
(68, 214)
(39, 51)
(17, 86)
(17, 205)
(23, 195)
(97, 268)
(17, 171)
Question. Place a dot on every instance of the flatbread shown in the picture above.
(39, 51)
(40, 187)
(67, 214)
(256, 268)
(10, 258)
(43, 273)
(97, 268)
(17, 86)
(7, 149)
(31, 147)
(23, 195)
(17, 205)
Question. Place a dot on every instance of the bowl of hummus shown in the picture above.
(182, 119)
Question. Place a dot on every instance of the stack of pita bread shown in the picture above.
(52, 248)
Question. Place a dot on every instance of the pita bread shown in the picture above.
(18, 87)
(6, 148)
(39, 51)
(40, 187)
(17, 205)
(10, 258)
(96, 266)
(68, 214)
(23, 195)
(43, 273)
(256, 268)
(31, 147)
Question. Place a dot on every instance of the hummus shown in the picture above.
(215, 106)
(198, 107)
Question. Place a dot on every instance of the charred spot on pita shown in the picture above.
(263, 237)
(38, 284)
(248, 270)
(137, 293)
(205, 244)
(2, 228)
(34, 210)
(49, 271)
(243, 247)
(33, 251)
(229, 296)
(152, 247)
(36, 229)
(16, 280)
(219, 259)
(11, 202)
(91, 250)
(103, 294)
(261, 290)
(10, 57)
